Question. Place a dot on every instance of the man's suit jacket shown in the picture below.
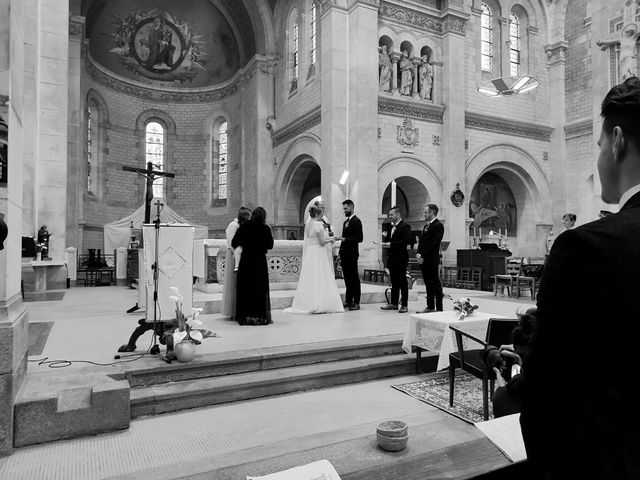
(584, 369)
(429, 246)
(401, 237)
(351, 237)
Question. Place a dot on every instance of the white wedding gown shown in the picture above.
(317, 291)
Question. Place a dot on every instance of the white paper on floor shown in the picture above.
(320, 470)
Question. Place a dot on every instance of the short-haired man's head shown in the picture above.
(395, 211)
(314, 211)
(570, 216)
(259, 215)
(244, 214)
(433, 207)
(348, 202)
(621, 108)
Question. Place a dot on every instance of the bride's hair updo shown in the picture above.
(314, 210)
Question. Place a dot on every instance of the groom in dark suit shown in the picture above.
(429, 258)
(582, 378)
(397, 261)
(351, 237)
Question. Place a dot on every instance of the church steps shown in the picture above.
(150, 370)
(201, 392)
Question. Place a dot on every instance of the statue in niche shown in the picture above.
(407, 73)
(385, 69)
(425, 75)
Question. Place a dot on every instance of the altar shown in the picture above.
(49, 274)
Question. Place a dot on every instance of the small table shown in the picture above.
(430, 331)
(40, 269)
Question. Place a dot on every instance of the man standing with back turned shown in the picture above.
(429, 258)
(582, 378)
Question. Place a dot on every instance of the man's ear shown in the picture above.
(618, 145)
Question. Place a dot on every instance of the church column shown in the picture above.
(13, 315)
(52, 84)
(76, 165)
(453, 129)
(362, 122)
(416, 69)
(335, 82)
(558, 155)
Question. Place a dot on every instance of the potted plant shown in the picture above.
(464, 307)
(185, 337)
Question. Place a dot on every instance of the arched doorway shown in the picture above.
(300, 186)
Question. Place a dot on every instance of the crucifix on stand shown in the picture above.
(150, 175)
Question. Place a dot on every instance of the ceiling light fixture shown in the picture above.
(508, 86)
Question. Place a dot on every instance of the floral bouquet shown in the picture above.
(464, 307)
(184, 331)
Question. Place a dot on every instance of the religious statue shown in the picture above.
(425, 75)
(43, 240)
(406, 74)
(385, 69)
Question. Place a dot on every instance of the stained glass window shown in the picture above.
(155, 153)
(486, 38)
(514, 49)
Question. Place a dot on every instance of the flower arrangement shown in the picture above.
(184, 331)
(464, 307)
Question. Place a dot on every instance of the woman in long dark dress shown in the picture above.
(253, 306)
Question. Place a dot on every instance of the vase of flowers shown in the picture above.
(464, 308)
(185, 337)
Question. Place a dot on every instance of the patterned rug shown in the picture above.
(467, 399)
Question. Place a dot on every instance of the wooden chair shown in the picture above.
(499, 333)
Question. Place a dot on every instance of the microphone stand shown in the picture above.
(155, 349)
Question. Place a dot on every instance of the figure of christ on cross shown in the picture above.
(150, 174)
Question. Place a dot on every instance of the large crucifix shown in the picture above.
(150, 174)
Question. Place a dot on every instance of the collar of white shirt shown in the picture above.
(628, 194)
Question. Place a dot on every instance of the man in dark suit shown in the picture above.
(397, 261)
(351, 237)
(582, 377)
(429, 258)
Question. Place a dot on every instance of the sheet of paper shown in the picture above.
(320, 470)
(505, 434)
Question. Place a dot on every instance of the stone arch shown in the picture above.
(95, 100)
(299, 163)
(408, 166)
(528, 184)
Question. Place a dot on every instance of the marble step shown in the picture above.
(281, 299)
(175, 396)
(152, 370)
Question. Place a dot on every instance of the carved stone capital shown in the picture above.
(556, 53)
(369, 3)
(395, 56)
(453, 23)
(76, 26)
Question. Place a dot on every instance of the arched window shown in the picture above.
(514, 48)
(219, 187)
(91, 156)
(313, 53)
(486, 38)
(296, 52)
(223, 149)
(154, 153)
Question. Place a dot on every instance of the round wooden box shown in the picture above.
(392, 435)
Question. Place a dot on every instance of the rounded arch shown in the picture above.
(154, 114)
(94, 98)
(297, 163)
(528, 184)
(387, 41)
(261, 17)
(398, 166)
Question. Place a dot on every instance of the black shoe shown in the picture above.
(389, 306)
(347, 305)
(127, 348)
(355, 306)
(403, 309)
(426, 310)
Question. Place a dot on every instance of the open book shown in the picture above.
(320, 470)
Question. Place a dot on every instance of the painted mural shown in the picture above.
(187, 43)
(492, 205)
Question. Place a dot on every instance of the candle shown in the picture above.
(480, 233)
(500, 231)
(505, 232)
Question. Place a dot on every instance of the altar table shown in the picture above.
(430, 331)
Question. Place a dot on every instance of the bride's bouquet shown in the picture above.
(464, 308)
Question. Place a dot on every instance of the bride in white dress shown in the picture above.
(317, 291)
